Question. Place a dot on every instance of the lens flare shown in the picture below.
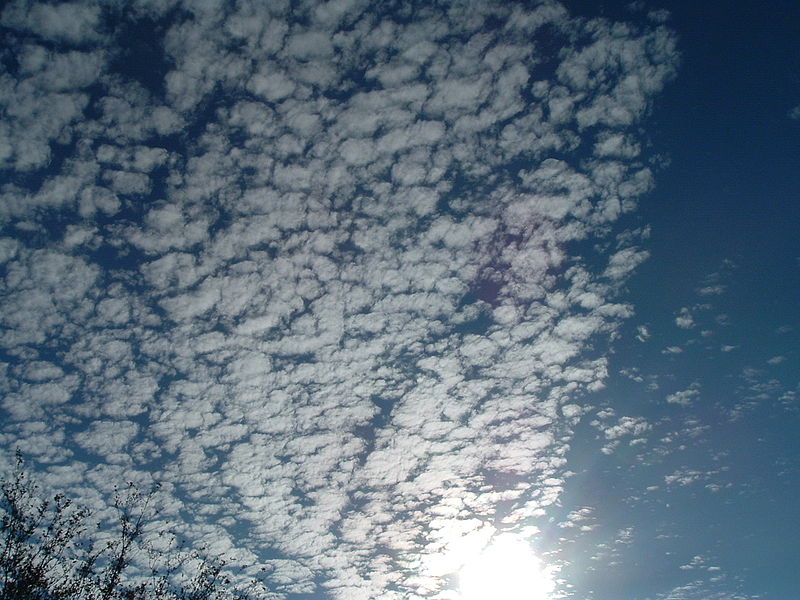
(506, 569)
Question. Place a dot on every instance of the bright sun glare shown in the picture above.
(506, 569)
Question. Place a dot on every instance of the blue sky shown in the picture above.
(374, 289)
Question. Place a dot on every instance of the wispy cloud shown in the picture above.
(685, 320)
(685, 397)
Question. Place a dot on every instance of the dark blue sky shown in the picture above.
(369, 286)
(726, 210)
(731, 190)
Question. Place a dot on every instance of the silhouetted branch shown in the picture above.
(47, 554)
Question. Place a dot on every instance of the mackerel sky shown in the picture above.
(365, 285)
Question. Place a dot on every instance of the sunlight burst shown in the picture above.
(506, 569)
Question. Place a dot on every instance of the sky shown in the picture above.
(381, 292)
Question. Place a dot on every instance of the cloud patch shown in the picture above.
(341, 279)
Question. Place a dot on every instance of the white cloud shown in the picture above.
(327, 284)
(685, 397)
(616, 145)
(626, 426)
(72, 22)
(624, 262)
(685, 320)
(711, 290)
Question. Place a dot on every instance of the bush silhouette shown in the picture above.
(51, 550)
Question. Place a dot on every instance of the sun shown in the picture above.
(508, 569)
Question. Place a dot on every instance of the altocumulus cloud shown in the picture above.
(338, 274)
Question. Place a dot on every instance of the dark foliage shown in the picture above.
(49, 550)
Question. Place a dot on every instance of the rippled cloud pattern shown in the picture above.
(340, 274)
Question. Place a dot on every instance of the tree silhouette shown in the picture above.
(50, 550)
